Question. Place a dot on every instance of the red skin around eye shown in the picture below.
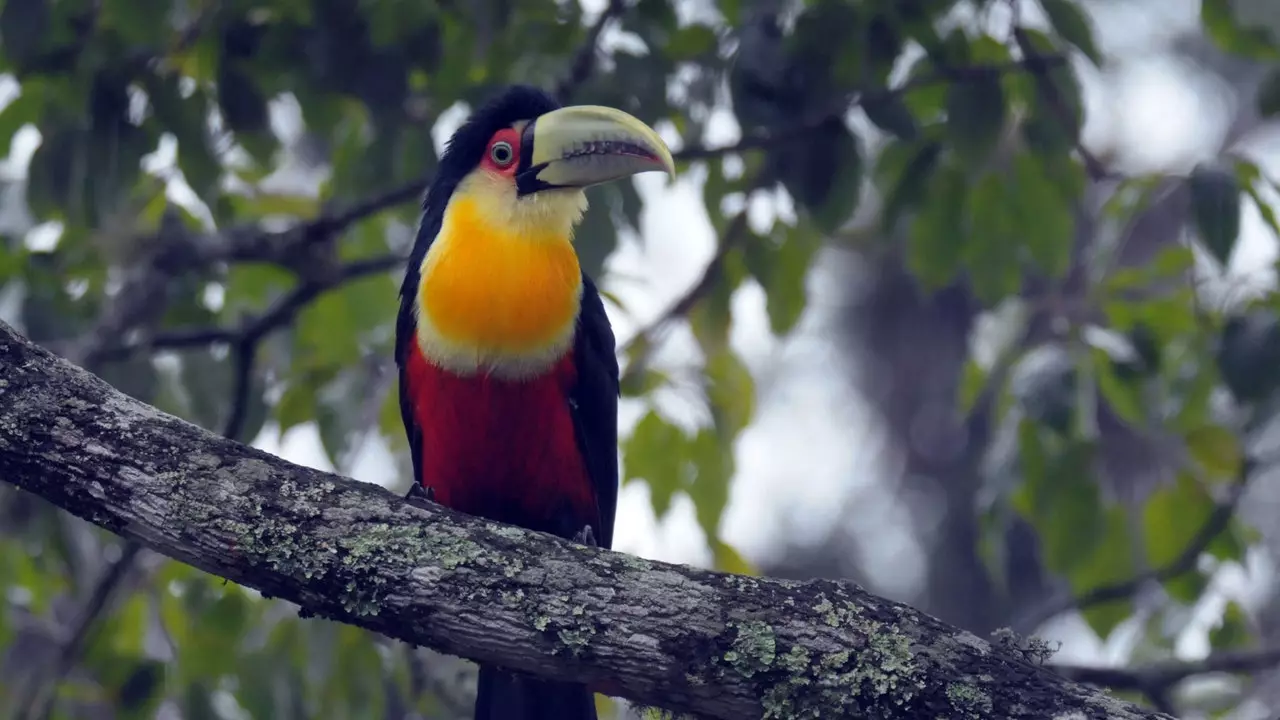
(512, 138)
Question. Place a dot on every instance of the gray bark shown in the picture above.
(664, 635)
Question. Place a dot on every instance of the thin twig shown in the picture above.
(644, 342)
(245, 359)
(584, 60)
(274, 318)
(1037, 65)
(252, 244)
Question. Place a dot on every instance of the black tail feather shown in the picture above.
(504, 695)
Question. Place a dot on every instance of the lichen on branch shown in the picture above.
(670, 636)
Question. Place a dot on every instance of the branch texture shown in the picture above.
(720, 645)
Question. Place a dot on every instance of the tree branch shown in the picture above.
(42, 690)
(252, 243)
(690, 640)
(276, 317)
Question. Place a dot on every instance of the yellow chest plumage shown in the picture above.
(498, 294)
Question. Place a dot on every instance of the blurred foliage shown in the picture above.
(965, 161)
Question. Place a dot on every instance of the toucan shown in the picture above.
(507, 366)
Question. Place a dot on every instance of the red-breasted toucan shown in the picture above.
(508, 377)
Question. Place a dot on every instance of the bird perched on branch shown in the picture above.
(508, 377)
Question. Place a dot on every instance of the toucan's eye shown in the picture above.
(501, 153)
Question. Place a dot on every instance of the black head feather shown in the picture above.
(463, 152)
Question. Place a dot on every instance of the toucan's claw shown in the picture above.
(419, 495)
(585, 536)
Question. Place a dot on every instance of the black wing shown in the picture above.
(594, 404)
(407, 325)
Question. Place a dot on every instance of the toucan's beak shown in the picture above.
(584, 145)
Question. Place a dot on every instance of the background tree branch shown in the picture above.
(721, 645)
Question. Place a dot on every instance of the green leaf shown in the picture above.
(1215, 207)
(1111, 562)
(711, 317)
(1217, 450)
(276, 205)
(976, 115)
(250, 287)
(1230, 544)
(1146, 345)
(1169, 517)
(1234, 631)
(597, 235)
(989, 252)
(691, 42)
(1248, 355)
(972, 381)
(639, 382)
(197, 703)
(1124, 397)
(730, 391)
(1219, 21)
(297, 405)
(712, 460)
(824, 174)
(1057, 113)
(137, 22)
(925, 98)
(1265, 211)
(728, 559)
(656, 452)
(1045, 222)
(1070, 515)
(937, 240)
(24, 109)
(216, 634)
(1069, 21)
(780, 264)
(907, 182)
(1033, 462)
(329, 331)
(1083, 539)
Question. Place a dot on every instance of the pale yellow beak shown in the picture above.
(584, 145)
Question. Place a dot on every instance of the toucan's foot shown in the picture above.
(585, 536)
(419, 495)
